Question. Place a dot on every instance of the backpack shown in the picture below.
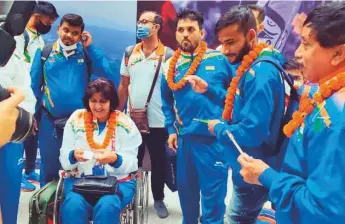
(48, 48)
(128, 52)
(291, 106)
(41, 205)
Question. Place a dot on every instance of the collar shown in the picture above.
(159, 51)
(57, 48)
(330, 76)
(31, 31)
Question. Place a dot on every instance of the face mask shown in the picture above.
(143, 32)
(41, 28)
(67, 48)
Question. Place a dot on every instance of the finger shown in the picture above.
(247, 157)
(16, 98)
(171, 146)
(242, 161)
(242, 172)
(175, 143)
(192, 82)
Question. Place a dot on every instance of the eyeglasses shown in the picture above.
(144, 21)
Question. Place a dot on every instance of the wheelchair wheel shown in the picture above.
(138, 201)
(146, 196)
(58, 201)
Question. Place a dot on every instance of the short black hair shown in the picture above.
(73, 20)
(157, 19)
(240, 15)
(106, 88)
(260, 10)
(328, 24)
(192, 15)
(47, 9)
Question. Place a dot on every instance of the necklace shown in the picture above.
(245, 64)
(89, 127)
(191, 71)
(307, 105)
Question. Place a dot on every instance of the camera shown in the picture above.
(25, 121)
(14, 15)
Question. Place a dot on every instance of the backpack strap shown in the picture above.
(128, 53)
(88, 62)
(26, 40)
(285, 76)
(45, 54)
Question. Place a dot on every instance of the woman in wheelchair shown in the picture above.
(99, 151)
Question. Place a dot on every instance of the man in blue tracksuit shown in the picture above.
(201, 165)
(64, 79)
(310, 186)
(257, 111)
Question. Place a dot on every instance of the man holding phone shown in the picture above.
(64, 74)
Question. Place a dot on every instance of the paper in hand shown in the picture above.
(88, 155)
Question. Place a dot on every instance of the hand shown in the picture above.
(172, 142)
(79, 155)
(9, 114)
(198, 84)
(211, 125)
(35, 129)
(106, 157)
(251, 168)
(86, 39)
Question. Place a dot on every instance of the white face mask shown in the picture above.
(67, 48)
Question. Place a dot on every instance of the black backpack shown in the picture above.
(292, 106)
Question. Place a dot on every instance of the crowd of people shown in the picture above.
(278, 125)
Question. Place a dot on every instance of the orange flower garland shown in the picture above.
(245, 64)
(307, 105)
(172, 66)
(89, 127)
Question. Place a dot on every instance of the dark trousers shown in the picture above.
(30, 148)
(155, 142)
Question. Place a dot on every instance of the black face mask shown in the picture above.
(41, 28)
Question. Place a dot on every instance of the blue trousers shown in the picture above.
(11, 166)
(76, 210)
(246, 204)
(201, 167)
(50, 145)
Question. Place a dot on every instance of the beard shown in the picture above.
(187, 46)
(245, 50)
(239, 56)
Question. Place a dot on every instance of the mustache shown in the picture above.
(231, 55)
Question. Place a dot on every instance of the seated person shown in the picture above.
(99, 141)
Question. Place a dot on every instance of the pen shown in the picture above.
(200, 120)
(234, 141)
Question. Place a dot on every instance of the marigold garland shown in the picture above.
(245, 64)
(307, 105)
(89, 127)
(172, 66)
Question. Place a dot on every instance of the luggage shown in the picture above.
(41, 206)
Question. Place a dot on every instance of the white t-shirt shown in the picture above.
(141, 71)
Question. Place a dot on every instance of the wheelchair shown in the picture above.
(134, 213)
